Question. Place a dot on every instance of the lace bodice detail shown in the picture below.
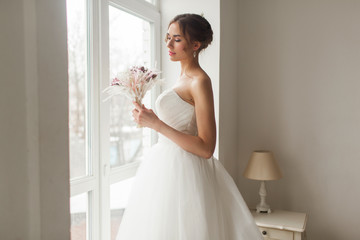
(175, 112)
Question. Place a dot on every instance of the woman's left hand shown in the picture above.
(144, 117)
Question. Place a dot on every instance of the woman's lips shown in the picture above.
(171, 53)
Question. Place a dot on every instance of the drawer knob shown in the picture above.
(264, 232)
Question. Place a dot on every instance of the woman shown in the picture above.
(181, 192)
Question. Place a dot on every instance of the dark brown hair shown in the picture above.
(195, 28)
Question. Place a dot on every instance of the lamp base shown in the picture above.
(260, 209)
(263, 207)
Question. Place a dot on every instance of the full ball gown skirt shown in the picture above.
(180, 196)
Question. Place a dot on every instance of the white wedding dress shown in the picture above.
(180, 196)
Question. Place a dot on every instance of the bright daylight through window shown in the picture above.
(106, 146)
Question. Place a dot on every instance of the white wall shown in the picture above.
(13, 169)
(299, 83)
(53, 118)
(34, 191)
(228, 85)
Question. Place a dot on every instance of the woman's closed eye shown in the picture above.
(176, 40)
(168, 38)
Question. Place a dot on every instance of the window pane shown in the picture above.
(77, 69)
(119, 196)
(79, 215)
(129, 45)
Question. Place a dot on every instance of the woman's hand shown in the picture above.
(145, 117)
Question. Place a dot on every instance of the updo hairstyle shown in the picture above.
(195, 28)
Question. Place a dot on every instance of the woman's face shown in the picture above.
(179, 48)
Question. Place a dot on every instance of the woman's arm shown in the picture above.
(202, 145)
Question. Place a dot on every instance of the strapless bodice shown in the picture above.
(175, 112)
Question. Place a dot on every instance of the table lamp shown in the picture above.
(262, 166)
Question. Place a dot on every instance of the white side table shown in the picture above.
(281, 225)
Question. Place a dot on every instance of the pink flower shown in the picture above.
(115, 81)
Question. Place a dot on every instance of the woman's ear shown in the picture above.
(196, 45)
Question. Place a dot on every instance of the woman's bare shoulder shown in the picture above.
(200, 80)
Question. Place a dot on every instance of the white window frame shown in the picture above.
(101, 176)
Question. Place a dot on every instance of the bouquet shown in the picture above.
(133, 83)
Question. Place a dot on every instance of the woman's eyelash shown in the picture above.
(176, 40)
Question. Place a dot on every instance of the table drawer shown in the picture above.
(276, 234)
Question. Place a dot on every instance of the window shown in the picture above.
(129, 42)
(106, 147)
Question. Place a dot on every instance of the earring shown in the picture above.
(194, 54)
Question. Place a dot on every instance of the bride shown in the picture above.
(181, 192)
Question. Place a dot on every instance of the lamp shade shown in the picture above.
(262, 166)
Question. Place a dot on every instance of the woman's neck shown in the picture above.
(189, 65)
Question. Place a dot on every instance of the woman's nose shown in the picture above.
(169, 43)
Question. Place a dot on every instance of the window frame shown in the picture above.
(100, 176)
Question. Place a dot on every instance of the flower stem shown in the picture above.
(138, 100)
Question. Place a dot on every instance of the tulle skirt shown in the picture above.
(180, 196)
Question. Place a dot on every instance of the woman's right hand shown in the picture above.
(145, 117)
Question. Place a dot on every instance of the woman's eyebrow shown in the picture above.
(175, 35)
